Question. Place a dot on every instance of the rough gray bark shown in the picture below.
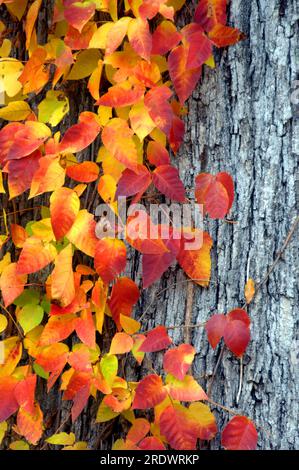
(240, 121)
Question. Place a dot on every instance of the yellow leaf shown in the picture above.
(12, 354)
(5, 48)
(17, 8)
(53, 108)
(3, 429)
(10, 71)
(19, 445)
(15, 111)
(2, 190)
(63, 287)
(141, 122)
(3, 323)
(86, 62)
(99, 38)
(129, 325)
(62, 439)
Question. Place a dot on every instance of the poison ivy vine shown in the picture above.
(62, 273)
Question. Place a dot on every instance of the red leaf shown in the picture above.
(8, 402)
(64, 208)
(215, 193)
(151, 443)
(175, 425)
(177, 361)
(210, 12)
(77, 14)
(154, 266)
(132, 182)
(239, 434)
(156, 101)
(124, 296)
(239, 314)
(183, 78)
(177, 132)
(237, 336)
(157, 154)
(25, 393)
(165, 38)
(149, 393)
(167, 180)
(21, 172)
(156, 340)
(110, 258)
(85, 328)
(215, 329)
(140, 37)
(81, 135)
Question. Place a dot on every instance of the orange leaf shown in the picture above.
(121, 343)
(211, 12)
(57, 329)
(185, 390)
(117, 138)
(156, 340)
(35, 74)
(151, 443)
(30, 425)
(11, 283)
(118, 96)
(110, 258)
(62, 277)
(205, 421)
(35, 256)
(64, 208)
(31, 18)
(239, 434)
(49, 176)
(139, 430)
(19, 140)
(197, 262)
(149, 393)
(85, 172)
(176, 426)
(249, 290)
(18, 235)
(81, 135)
(223, 36)
(177, 361)
(82, 233)
(85, 328)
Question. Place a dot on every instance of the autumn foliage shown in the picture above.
(59, 280)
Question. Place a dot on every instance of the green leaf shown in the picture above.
(19, 445)
(40, 371)
(109, 368)
(29, 296)
(30, 316)
(53, 108)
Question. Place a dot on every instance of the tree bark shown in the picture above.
(240, 121)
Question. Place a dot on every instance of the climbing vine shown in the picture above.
(62, 274)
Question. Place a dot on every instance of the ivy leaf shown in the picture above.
(239, 434)
(53, 108)
(30, 316)
(156, 340)
(149, 393)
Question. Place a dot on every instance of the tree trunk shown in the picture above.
(240, 120)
